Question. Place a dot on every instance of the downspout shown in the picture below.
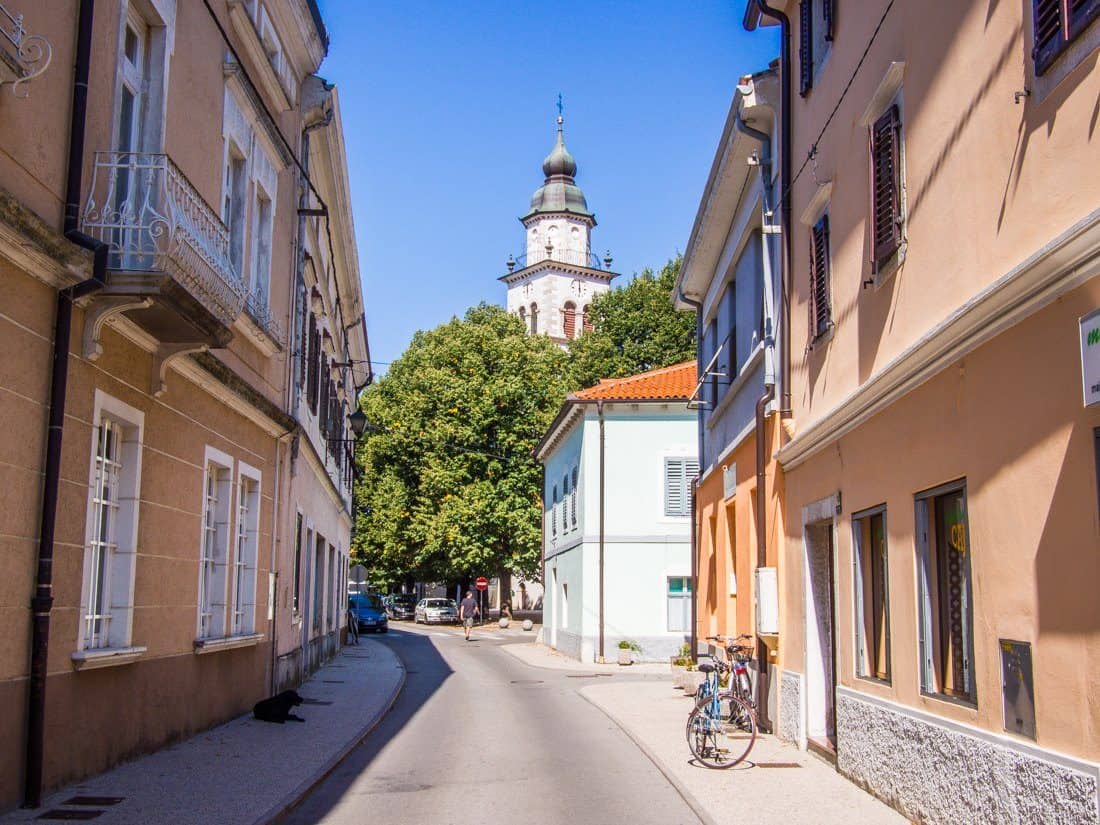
(599, 412)
(42, 602)
(785, 207)
(694, 636)
(760, 432)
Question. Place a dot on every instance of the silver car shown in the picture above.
(436, 611)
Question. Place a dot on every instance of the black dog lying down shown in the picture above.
(277, 708)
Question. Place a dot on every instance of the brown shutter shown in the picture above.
(312, 355)
(819, 277)
(1050, 35)
(323, 401)
(806, 45)
(886, 186)
(828, 14)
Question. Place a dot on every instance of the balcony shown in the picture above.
(169, 270)
(573, 257)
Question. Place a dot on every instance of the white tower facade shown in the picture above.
(553, 282)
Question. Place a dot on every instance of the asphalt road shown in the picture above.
(479, 737)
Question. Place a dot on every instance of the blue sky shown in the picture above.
(449, 108)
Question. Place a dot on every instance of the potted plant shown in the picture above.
(627, 649)
(691, 679)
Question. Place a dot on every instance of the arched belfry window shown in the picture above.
(586, 318)
(569, 319)
(523, 315)
(534, 318)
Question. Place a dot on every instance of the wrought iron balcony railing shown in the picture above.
(576, 257)
(154, 220)
(257, 307)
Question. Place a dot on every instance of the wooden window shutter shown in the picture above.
(828, 14)
(323, 401)
(806, 46)
(674, 487)
(1081, 13)
(819, 277)
(1050, 32)
(886, 215)
(312, 366)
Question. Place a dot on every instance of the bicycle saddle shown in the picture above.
(707, 667)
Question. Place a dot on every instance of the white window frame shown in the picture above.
(263, 225)
(246, 550)
(120, 550)
(682, 601)
(221, 533)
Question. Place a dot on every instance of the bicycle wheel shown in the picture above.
(723, 739)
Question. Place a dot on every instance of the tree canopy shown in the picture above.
(449, 489)
(636, 329)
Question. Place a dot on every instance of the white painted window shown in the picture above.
(246, 549)
(233, 204)
(566, 497)
(214, 560)
(679, 604)
(261, 253)
(554, 513)
(680, 472)
(318, 582)
(107, 593)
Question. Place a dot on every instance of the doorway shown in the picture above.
(821, 670)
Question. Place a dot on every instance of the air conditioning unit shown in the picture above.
(767, 601)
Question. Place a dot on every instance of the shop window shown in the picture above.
(946, 599)
(872, 598)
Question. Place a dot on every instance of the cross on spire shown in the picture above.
(561, 109)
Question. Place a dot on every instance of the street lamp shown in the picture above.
(358, 422)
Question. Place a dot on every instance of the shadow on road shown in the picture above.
(422, 660)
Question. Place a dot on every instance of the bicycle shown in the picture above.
(721, 728)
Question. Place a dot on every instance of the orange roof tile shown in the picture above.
(675, 383)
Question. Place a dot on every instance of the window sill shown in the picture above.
(105, 657)
(823, 338)
(203, 646)
(885, 272)
(950, 700)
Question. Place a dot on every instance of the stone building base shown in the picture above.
(933, 770)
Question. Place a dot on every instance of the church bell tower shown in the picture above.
(552, 282)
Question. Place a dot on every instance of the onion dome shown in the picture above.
(559, 192)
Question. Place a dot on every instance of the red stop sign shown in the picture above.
(481, 583)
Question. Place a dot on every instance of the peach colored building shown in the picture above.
(938, 613)
(154, 470)
(729, 277)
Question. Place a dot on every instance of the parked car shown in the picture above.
(401, 606)
(436, 611)
(368, 612)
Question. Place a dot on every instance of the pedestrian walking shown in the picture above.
(467, 611)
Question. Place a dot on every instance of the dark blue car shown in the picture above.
(368, 612)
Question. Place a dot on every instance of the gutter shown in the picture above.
(603, 442)
(698, 307)
(42, 602)
(753, 11)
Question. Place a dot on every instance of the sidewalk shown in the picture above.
(784, 786)
(247, 771)
(539, 655)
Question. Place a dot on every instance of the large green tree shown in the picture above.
(636, 329)
(449, 489)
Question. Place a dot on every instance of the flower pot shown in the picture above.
(692, 680)
(626, 657)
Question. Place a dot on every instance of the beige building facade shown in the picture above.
(938, 618)
(153, 471)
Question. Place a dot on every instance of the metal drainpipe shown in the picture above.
(694, 635)
(785, 206)
(761, 452)
(599, 412)
(42, 601)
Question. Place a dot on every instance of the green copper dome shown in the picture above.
(559, 192)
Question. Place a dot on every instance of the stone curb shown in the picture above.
(693, 803)
(288, 803)
(576, 665)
